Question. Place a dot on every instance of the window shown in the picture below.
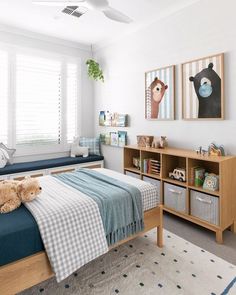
(43, 101)
(38, 100)
(3, 96)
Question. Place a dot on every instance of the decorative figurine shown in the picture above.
(215, 150)
(163, 142)
(201, 151)
(159, 142)
(155, 143)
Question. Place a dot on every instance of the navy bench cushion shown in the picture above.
(44, 164)
(19, 236)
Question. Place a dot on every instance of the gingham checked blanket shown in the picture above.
(70, 226)
(70, 223)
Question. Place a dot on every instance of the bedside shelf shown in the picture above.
(215, 210)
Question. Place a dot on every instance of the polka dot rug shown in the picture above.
(139, 267)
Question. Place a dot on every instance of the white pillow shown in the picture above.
(4, 158)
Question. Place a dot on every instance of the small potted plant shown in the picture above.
(94, 70)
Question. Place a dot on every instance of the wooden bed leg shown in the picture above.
(219, 236)
(160, 229)
(233, 227)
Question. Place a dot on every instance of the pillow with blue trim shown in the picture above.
(10, 152)
(93, 144)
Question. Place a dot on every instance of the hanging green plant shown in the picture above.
(94, 71)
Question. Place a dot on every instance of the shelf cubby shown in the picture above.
(169, 163)
(152, 156)
(129, 154)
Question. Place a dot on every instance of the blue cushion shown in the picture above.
(44, 164)
(92, 143)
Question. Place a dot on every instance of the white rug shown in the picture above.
(140, 267)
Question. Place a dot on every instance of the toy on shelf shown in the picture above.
(144, 140)
(215, 150)
(201, 151)
(136, 162)
(159, 142)
(178, 174)
(155, 142)
(163, 142)
(211, 182)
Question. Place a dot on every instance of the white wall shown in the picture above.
(27, 39)
(205, 28)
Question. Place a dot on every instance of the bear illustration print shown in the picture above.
(207, 85)
(158, 89)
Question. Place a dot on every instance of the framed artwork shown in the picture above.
(203, 88)
(160, 94)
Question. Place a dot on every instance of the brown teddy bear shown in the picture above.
(13, 193)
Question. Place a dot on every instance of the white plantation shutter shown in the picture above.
(72, 100)
(3, 97)
(38, 100)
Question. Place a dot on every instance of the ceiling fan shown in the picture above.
(100, 5)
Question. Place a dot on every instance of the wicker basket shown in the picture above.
(144, 140)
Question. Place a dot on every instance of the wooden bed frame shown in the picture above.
(27, 272)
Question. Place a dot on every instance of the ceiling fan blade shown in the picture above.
(116, 15)
(97, 4)
(57, 2)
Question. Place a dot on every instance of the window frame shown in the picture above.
(64, 146)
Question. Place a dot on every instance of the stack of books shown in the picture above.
(154, 167)
(151, 166)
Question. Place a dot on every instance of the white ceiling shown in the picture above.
(93, 27)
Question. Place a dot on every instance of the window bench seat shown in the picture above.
(51, 166)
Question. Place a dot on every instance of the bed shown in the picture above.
(22, 249)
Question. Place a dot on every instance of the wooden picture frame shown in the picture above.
(160, 94)
(203, 88)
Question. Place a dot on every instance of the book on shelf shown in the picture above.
(192, 175)
(199, 177)
(122, 135)
(108, 119)
(145, 165)
(114, 138)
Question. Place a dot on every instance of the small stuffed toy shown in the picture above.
(13, 193)
(77, 150)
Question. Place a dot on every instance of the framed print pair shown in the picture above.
(202, 90)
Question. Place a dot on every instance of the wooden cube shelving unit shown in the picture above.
(170, 159)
